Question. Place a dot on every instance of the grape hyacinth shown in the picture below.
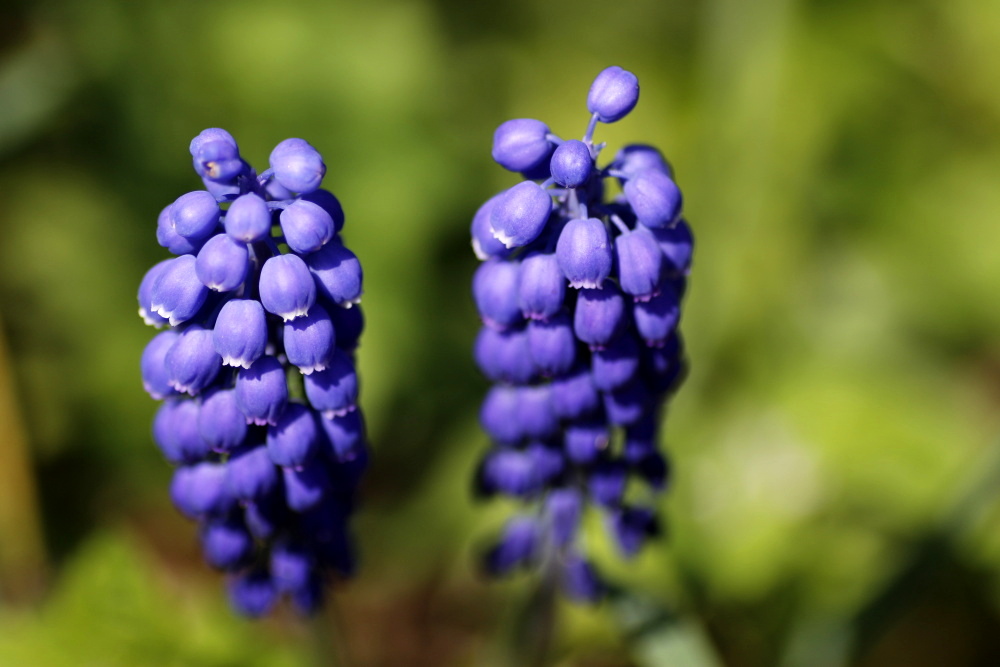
(256, 370)
(579, 293)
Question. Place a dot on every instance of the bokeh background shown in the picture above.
(836, 445)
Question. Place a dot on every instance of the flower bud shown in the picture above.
(519, 545)
(520, 214)
(177, 294)
(600, 315)
(654, 197)
(657, 318)
(552, 345)
(287, 288)
(677, 245)
(306, 226)
(220, 422)
(504, 356)
(226, 543)
(248, 219)
(521, 144)
(297, 165)
(155, 378)
(563, 509)
(484, 244)
(195, 215)
(613, 94)
(291, 566)
(616, 363)
(252, 594)
(584, 253)
(222, 264)
(309, 340)
(541, 288)
(261, 391)
(534, 407)
(634, 158)
(240, 334)
(494, 289)
(584, 440)
(607, 482)
(337, 273)
(348, 323)
(192, 362)
(304, 487)
(294, 439)
(200, 490)
(250, 475)
(333, 391)
(571, 164)
(632, 527)
(579, 580)
(329, 203)
(510, 472)
(145, 295)
(215, 156)
(499, 415)
(640, 263)
(175, 431)
(345, 435)
(574, 395)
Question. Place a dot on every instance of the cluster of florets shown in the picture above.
(256, 370)
(579, 294)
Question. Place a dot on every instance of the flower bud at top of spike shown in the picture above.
(218, 162)
(261, 391)
(168, 238)
(521, 144)
(177, 294)
(520, 214)
(209, 135)
(677, 245)
(194, 215)
(495, 289)
(309, 340)
(306, 226)
(200, 490)
(584, 253)
(329, 203)
(640, 263)
(484, 244)
(294, 439)
(571, 163)
(541, 287)
(192, 363)
(240, 334)
(252, 594)
(613, 94)
(334, 390)
(519, 545)
(305, 488)
(552, 345)
(600, 315)
(297, 165)
(250, 475)
(287, 288)
(223, 263)
(248, 219)
(337, 272)
(226, 543)
(221, 423)
(654, 197)
(146, 295)
(634, 158)
(155, 377)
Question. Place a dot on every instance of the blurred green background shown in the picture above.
(836, 445)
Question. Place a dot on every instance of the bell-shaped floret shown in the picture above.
(295, 438)
(584, 440)
(656, 319)
(654, 197)
(177, 295)
(632, 527)
(287, 289)
(345, 434)
(518, 546)
(226, 543)
(220, 422)
(310, 340)
(291, 565)
(626, 404)
(552, 345)
(195, 215)
(305, 487)
(613, 94)
(329, 203)
(600, 315)
(250, 475)
(334, 390)
(607, 481)
(261, 391)
(171, 240)
(145, 295)
(484, 244)
(563, 509)
(640, 438)
(252, 594)
(510, 472)
(175, 431)
(155, 377)
(494, 289)
(584, 253)
(200, 490)
(574, 395)
(579, 579)
(337, 273)
(677, 245)
(297, 165)
(616, 363)
(541, 288)
(248, 219)
(192, 362)
(520, 214)
(640, 263)
(521, 144)
(571, 163)
(499, 415)
(240, 334)
(348, 323)
(307, 226)
(534, 408)
(504, 356)
(223, 263)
